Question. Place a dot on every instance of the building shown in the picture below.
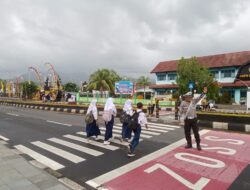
(224, 68)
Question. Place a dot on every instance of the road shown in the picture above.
(57, 140)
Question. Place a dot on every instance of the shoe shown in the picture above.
(129, 149)
(88, 140)
(97, 138)
(188, 146)
(198, 147)
(106, 142)
(131, 154)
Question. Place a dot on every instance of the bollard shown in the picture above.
(157, 108)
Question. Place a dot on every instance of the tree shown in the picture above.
(29, 89)
(143, 81)
(103, 80)
(189, 70)
(71, 87)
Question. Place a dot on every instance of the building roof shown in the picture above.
(228, 84)
(236, 84)
(211, 61)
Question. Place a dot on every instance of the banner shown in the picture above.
(124, 87)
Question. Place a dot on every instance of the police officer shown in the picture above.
(188, 110)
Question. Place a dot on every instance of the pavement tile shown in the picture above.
(58, 187)
(40, 177)
(10, 176)
(47, 183)
(4, 187)
(19, 184)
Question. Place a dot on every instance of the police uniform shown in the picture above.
(188, 109)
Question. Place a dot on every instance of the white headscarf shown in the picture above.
(110, 106)
(128, 107)
(93, 108)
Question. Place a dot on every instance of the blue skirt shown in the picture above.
(92, 129)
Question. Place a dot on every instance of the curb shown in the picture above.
(56, 108)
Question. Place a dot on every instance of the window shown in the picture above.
(215, 74)
(228, 73)
(161, 77)
(171, 76)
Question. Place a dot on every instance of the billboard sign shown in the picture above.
(244, 72)
(124, 87)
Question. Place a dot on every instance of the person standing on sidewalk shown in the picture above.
(188, 109)
(92, 128)
(108, 116)
(141, 120)
(127, 113)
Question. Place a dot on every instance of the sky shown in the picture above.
(129, 36)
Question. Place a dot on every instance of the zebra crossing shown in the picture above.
(77, 148)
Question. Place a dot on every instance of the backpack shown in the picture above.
(89, 118)
(133, 123)
(107, 115)
(125, 118)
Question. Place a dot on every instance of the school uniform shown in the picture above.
(128, 109)
(142, 121)
(92, 129)
(109, 106)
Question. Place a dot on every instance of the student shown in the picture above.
(188, 109)
(141, 121)
(108, 116)
(92, 129)
(128, 110)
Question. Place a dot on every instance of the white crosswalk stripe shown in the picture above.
(165, 125)
(98, 144)
(154, 127)
(4, 138)
(145, 131)
(40, 158)
(119, 132)
(116, 141)
(62, 153)
(76, 147)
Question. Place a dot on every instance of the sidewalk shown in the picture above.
(18, 174)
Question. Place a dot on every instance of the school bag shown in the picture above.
(133, 123)
(125, 118)
(89, 118)
(107, 115)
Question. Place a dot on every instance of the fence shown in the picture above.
(120, 101)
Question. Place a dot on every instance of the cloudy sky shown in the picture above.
(129, 36)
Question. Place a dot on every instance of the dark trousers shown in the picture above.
(109, 127)
(126, 131)
(136, 138)
(191, 124)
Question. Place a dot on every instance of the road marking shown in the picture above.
(40, 158)
(152, 129)
(69, 125)
(116, 141)
(4, 138)
(13, 114)
(97, 182)
(62, 153)
(165, 125)
(157, 127)
(119, 132)
(143, 131)
(109, 147)
(76, 147)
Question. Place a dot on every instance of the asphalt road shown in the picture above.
(57, 140)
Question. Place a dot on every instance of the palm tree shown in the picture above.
(143, 81)
(103, 80)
